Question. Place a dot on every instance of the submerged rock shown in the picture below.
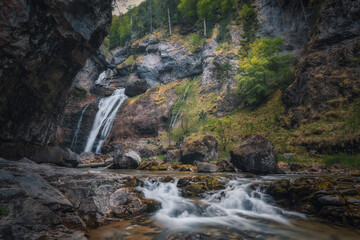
(254, 154)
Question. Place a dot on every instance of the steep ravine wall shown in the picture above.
(43, 44)
(157, 60)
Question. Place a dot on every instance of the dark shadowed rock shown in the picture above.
(199, 148)
(43, 44)
(135, 86)
(56, 155)
(254, 154)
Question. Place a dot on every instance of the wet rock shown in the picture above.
(198, 185)
(199, 148)
(206, 167)
(172, 155)
(127, 160)
(254, 154)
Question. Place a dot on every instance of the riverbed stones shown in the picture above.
(129, 159)
(199, 148)
(254, 154)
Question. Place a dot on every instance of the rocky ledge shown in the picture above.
(41, 201)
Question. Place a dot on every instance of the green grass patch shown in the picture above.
(344, 160)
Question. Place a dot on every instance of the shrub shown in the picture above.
(263, 71)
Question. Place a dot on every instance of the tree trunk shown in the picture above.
(205, 27)
(169, 21)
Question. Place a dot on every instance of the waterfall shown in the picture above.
(74, 140)
(104, 119)
(105, 74)
(181, 100)
(239, 207)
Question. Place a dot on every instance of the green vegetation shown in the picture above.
(151, 15)
(263, 71)
(224, 129)
(342, 159)
(4, 211)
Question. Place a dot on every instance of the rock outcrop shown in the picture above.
(39, 201)
(329, 72)
(254, 154)
(335, 199)
(43, 44)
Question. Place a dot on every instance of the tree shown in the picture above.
(262, 70)
(114, 34)
(250, 27)
(188, 9)
(224, 128)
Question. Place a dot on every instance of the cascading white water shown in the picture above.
(74, 140)
(105, 74)
(175, 116)
(104, 119)
(237, 207)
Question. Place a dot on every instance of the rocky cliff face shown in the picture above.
(43, 44)
(157, 60)
(329, 71)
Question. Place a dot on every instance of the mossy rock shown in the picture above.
(161, 167)
(198, 185)
(131, 182)
(187, 167)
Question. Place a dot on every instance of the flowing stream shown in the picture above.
(104, 120)
(74, 140)
(241, 211)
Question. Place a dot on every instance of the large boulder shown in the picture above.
(58, 156)
(198, 148)
(207, 167)
(135, 86)
(127, 160)
(43, 45)
(254, 154)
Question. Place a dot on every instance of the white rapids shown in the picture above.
(104, 120)
(237, 207)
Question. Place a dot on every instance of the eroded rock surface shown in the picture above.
(329, 72)
(41, 201)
